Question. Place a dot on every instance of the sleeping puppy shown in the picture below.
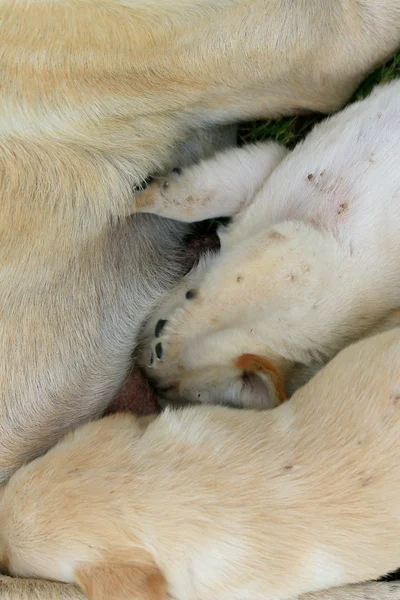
(211, 503)
(310, 263)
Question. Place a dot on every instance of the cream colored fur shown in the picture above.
(95, 95)
(310, 263)
(211, 503)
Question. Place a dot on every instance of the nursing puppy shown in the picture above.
(210, 503)
(94, 97)
(310, 263)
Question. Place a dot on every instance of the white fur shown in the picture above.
(308, 266)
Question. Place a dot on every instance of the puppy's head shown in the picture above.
(248, 381)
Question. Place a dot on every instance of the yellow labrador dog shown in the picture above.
(211, 503)
(95, 96)
(310, 263)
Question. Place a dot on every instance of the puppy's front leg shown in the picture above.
(220, 186)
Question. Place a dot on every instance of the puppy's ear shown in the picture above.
(262, 372)
(121, 581)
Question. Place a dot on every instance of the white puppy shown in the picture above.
(310, 263)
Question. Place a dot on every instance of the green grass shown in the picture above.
(289, 131)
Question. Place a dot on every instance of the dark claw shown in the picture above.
(143, 184)
(159, 327)
(177, 171)
(159, 350)
(190, 294)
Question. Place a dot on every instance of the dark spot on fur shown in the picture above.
(239, 278)
(288, 467)
(276, 235)
(191, 294)
(159, 350)
(342, 208)
(310, 177)
(177, 171)
(365, 480)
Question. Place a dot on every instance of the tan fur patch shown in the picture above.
(253, 363)
(118, 581)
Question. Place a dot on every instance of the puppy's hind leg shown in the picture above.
(219, 186)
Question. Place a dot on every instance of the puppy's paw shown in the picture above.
(172, 187)
(161, 346)
(170, 333)
(170, 196)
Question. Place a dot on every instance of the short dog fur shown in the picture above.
(215, 503)
(95, 96)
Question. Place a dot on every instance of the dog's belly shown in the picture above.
(70, 347)
(345, 178)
